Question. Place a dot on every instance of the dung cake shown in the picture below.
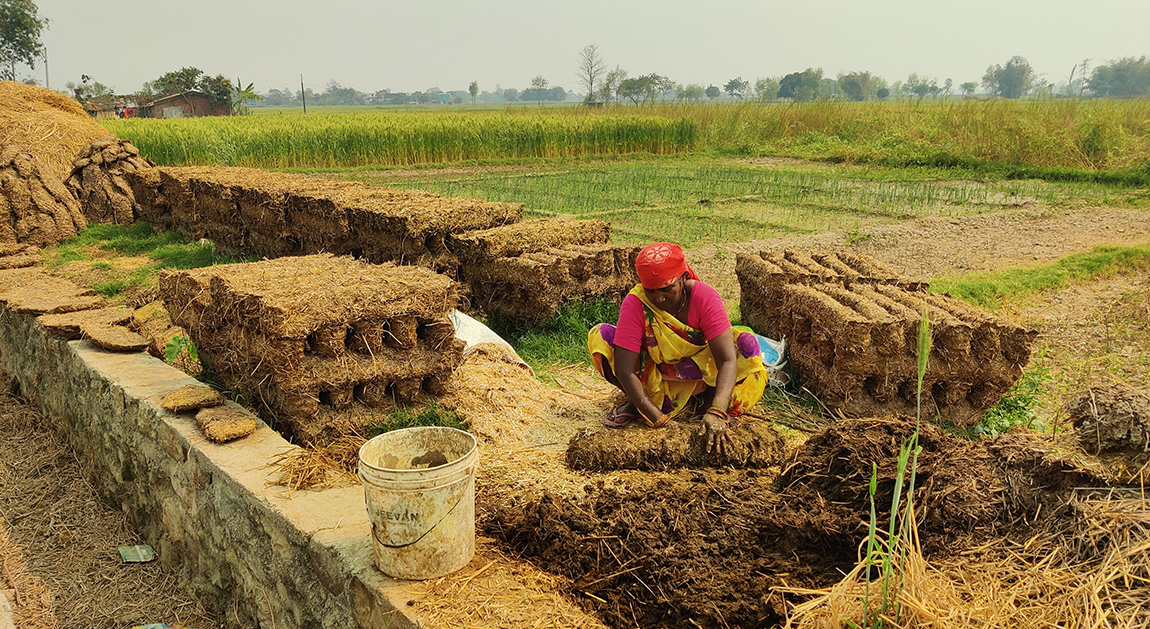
(35, 207)
(523, 272)
(851, 327)
(321, 343)
(97, 180)
(246, 210)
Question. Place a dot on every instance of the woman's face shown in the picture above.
(668, 298)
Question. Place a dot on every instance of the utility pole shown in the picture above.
(302, 94)
(47, 83)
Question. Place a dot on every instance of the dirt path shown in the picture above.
(58, 541)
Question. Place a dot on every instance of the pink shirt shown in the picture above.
(705, 312)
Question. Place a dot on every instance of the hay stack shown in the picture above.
(35, 207)
(853, 337)
(98, 180)
(48, 125)
(321, 342)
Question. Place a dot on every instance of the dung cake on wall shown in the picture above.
(851, 326)
(320, 343)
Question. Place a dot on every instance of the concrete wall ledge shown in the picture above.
(257, 554)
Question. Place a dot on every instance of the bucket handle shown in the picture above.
(425, 533)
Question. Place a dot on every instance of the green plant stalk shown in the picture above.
(872, 543)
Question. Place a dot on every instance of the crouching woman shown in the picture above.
(674, 341)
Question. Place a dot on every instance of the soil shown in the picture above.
(59, 541)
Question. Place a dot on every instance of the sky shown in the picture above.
(419, 44)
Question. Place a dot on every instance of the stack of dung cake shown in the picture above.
(321, 344)
(851, 326)
(523, 272)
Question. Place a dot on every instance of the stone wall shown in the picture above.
(256, 554)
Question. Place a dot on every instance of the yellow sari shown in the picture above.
(676, 362)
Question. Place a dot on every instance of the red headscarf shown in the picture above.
(660, 264)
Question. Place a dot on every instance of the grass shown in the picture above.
(992, 289)
(562, 340)
(430, 415)
(1017, 408)
(165, 250)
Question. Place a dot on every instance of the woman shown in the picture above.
(673, 341)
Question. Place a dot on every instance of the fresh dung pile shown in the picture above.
(322, 344)
(47, 125)
(97, 180)
(244, 210)
(851, 327)
(515, 272)
(36, 207)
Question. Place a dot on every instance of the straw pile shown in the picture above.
(320, 342)
(47, 125)
(35, 206)
(853, 338)
(97, 180)
(531, 287)
(246, 210)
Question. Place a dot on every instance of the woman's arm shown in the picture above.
(723, 350)
(626, 364)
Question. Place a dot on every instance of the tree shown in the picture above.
(765, 89)
(882, 93)
(511, 94)
(1012, 80)
(182, 80)
(788, 84)
(88, 88)
(1125, 77)
(241, 98)
(736, 87)
(858, 86)
(20, 29)
(693, 92)
(712, 92)
(591, 70)
(609, 88)
(473, 90)
(218, 89)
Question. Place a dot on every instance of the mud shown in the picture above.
(704, 547)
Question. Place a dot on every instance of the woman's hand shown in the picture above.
(717, 434)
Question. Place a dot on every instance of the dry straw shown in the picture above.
(49, 125)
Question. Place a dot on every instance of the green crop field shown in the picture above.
(709, 200)
(1045, 138)
(354, 139)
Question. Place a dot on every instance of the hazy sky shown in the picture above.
(417, 44)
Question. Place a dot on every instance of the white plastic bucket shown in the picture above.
(419, 484)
